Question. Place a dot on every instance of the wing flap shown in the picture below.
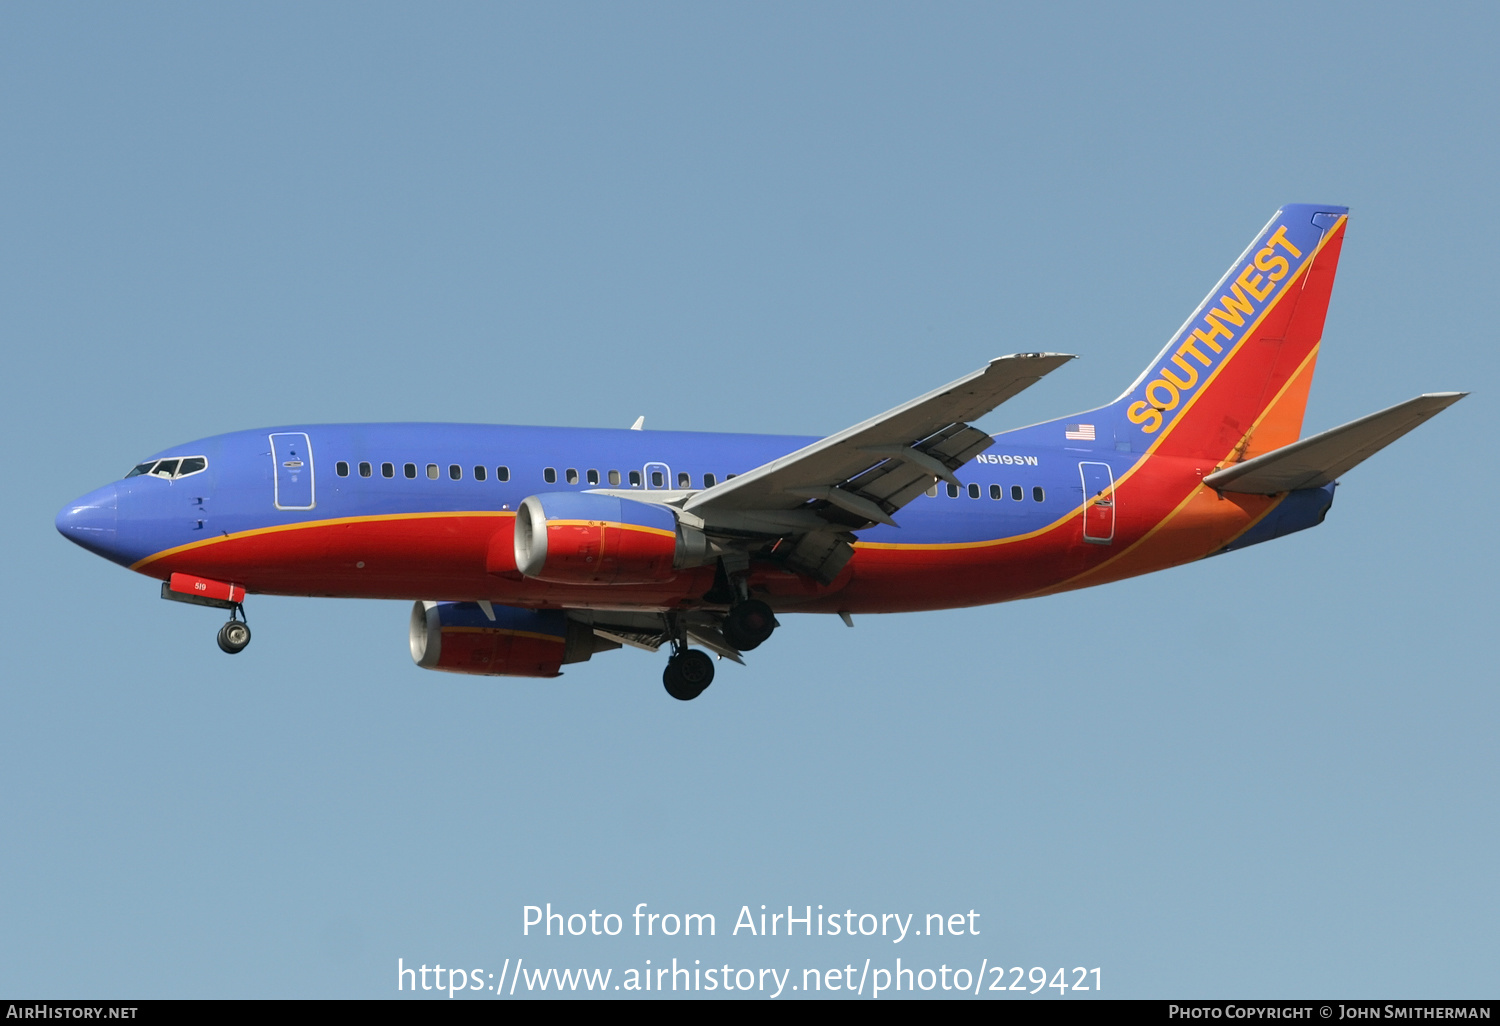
(1316, 461)
(934, 424)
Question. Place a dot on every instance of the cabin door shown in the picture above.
(291, 454)
(1098, 503)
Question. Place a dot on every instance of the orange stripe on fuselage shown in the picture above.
(1280, 423)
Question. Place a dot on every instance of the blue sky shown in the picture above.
(1271, 774)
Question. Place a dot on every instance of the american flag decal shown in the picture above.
(1079, 432)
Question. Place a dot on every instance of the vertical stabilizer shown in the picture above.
(1233, 382)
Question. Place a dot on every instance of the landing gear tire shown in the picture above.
(749, 624)
(688, 674)
(234, 636)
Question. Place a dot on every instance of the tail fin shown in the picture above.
(1232, 384)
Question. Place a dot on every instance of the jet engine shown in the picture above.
(460, 637)
(587, 538)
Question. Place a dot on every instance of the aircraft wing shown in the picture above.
(1314, 462)
(863, 474)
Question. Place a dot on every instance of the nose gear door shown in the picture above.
(291, 455)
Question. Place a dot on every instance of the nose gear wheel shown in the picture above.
(234, 636)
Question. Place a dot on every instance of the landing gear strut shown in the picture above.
(689, 672)
(748, 624)
(234, 635)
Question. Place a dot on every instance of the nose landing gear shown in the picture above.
(200, 591)
(234, 635)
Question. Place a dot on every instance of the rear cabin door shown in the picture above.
(291, 454)
(1098, 503)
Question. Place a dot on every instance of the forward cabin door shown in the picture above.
(1098, 503)
(291, 454)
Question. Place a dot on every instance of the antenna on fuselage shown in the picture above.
(640, 422)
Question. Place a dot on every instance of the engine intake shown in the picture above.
(586, 538)
(458, 637)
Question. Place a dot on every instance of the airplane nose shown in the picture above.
(91, 520)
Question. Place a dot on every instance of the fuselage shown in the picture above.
(426, 511)
(525, 549)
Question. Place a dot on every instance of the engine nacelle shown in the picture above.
(458, 637)
(584, 538)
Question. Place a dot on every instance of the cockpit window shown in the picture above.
(170, 469)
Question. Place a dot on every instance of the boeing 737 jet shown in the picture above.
(525, 549)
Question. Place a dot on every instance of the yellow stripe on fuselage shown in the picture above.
(305, 524)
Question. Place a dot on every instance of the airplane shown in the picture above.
(525, 549)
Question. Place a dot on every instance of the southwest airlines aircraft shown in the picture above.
(528, 548)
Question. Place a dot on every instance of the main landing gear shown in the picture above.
(234, 635)
(688, 674)
(748, 624)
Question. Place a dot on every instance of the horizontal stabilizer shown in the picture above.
(1319, 460)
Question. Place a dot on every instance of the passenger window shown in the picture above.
(973, 491)
(387, 470)
(410, 470)
(953, 491)
(341, 468)
(656, 479)
(502, 474)
(432, 471)
(635, 479)
(684, 480)
(166, 468)
(192, 465)
(1038, 494)
(141, 468)
(592, 477)
(932, 492)
(572, 476)
(1016, 493)
(614, 477)
(549, 475)
(996, 492)
(729, 477)
(455, 472)
(708, 481)
(479, 473)
(365, 470)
